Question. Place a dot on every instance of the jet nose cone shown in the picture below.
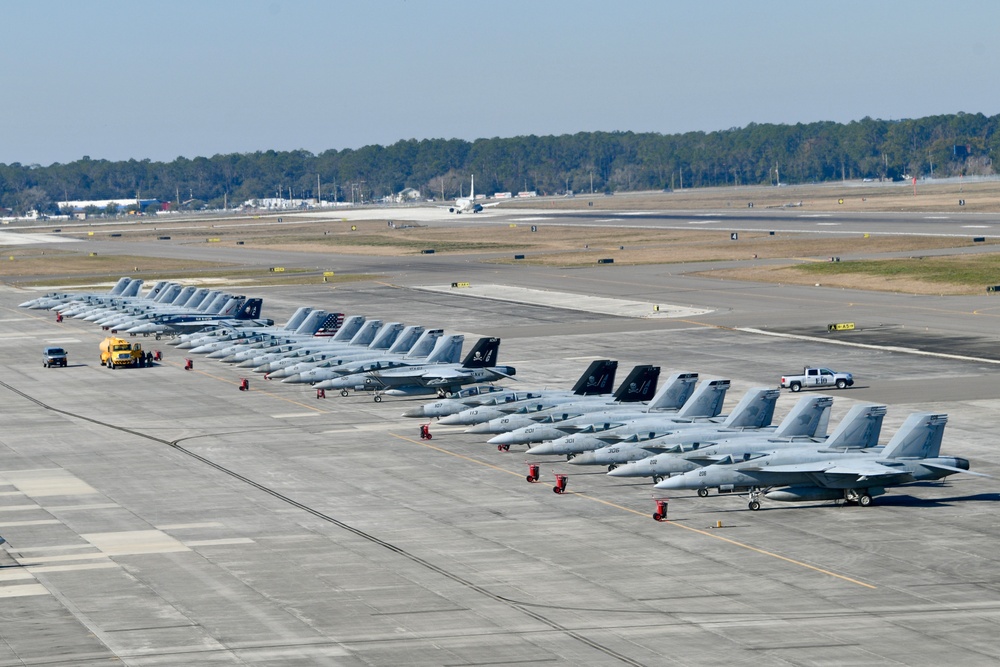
(290, 379)
(414, 412)
(584, 459)
(677, 482)
(626, 470)
(451, 420)
(478, 428)
(543, 449)
(502, 439)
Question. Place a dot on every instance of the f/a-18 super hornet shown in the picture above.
(628, 439)
(689, 449)
(704, 403)
(598, 379)
(478, 366)
(830, 473)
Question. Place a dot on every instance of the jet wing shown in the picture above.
(858, 469)
(941, 466)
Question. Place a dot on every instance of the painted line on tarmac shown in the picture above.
(869, 346)
(643, 514)
(735, 543)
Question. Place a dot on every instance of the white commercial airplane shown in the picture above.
(468, 204)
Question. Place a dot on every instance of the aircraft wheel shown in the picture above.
(657, 479)
(506, 448)
(612, 467)
(754, 505)
(378, 399)
(841, 384)
(864, 500)
(704, 492)
(344, 392)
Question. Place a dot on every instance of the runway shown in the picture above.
(161, 516)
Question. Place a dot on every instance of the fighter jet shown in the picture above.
(443, 350)
(52, 299)
(238, 310)
(629, 441)
(638, 386)
(478, 366)
(800, 475)
(705, 402)
(393, 343)
(260, 361)
(679, 452)
(598, 379)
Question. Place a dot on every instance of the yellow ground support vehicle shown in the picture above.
(119, 352)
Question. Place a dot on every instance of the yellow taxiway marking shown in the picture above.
(644, 514)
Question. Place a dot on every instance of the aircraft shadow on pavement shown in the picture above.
(916, 501)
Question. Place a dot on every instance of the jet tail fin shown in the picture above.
(250, 310)
(445, 349)
(424, 345)
(599, 378)
(706, 401)
(483, 354)
(366, 334)
(676, 390)
(345, 330)
(640, 385)
(808, 416)
(918, 437)
(859, 428)
(755, 409)
(120, 286)
(132, 289)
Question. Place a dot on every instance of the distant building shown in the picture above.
(408, 194)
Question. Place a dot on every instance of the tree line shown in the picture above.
(944, 145)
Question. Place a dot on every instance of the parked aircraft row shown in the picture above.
(674, 435)
(324, 349)
(677, 438)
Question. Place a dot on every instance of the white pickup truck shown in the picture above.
(817, 377)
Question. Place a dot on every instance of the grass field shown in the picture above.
(568, 246)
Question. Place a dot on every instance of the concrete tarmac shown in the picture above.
(161, 516)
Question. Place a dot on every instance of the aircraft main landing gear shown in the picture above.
(859, 496)
(755, 495)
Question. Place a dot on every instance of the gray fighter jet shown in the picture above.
(599, 378)
(629, 441)
(638, 387)
(705, 402)
(797, 475)
(478, 366)
(805, 425)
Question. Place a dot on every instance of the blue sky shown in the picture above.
(119, 80)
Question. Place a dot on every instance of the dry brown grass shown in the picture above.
(789, 275)
(981, 197)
